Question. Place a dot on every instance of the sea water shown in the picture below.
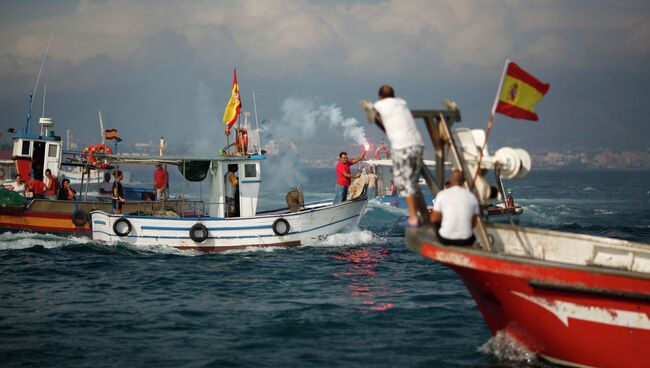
(357, 299)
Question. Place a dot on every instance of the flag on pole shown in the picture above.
(111, 134)
(234, 104)
(518, 93)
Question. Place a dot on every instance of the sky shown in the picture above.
(164, 68)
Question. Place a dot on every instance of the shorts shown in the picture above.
(117, 205)
(407, 165)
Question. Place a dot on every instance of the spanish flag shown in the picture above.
(234, 104)
(111, 134)
(518, 93)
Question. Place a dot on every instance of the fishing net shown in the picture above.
(10, 199)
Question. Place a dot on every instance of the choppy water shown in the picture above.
(353, 300)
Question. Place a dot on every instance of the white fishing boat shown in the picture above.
(204, 225)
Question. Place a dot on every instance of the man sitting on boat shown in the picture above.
(19, 186)
(106, 187)
(456, 210)
(66, 193)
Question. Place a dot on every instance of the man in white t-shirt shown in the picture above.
(106, 187)
(456, 210)
(394, 117)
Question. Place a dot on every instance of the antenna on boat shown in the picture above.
(257, 125)
(43, 110)
(101, 127)
(31, 97)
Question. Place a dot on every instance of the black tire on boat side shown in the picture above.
(281, 227)
(80, 218)
(117, 225)
(198, 233)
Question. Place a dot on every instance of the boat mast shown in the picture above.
(101, 127)
(28, 125)
(257, 125)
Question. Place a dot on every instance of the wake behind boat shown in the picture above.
(209, 227)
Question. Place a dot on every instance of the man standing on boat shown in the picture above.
(344, 176)
(161, 183)
(51, 184)
(456, 210)
(231, 191)
(118, 193)
(394, 117)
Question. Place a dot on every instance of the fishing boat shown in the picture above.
(573, 299)
(208, 226)
(31, 156)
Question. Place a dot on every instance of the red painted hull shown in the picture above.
(569, 314)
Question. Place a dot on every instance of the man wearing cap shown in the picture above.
(161, 183)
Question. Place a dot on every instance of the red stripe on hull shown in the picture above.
(595, 319)
(235, 247)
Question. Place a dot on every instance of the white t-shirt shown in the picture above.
(19, 188)
(107, 187)
(399, 123)
(457, 205)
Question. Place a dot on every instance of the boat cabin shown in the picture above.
(247, 170)
(36, 153)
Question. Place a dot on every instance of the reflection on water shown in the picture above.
(361, 273)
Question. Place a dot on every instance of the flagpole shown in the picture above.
(503, 75)
(490, 121)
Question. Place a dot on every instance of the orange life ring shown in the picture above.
(101, 149)
(2, 173)
(84, 153)
(381, 149)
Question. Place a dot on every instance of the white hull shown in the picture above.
(306, 226)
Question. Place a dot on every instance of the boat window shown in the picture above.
(25, 150)
(52, 151)
(250, 170)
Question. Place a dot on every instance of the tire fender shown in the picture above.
(119, 224)
(281, 227)
(198, 232)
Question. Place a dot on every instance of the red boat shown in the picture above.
(575, 300)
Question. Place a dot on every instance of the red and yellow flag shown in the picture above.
(111, 134)
(234, 104)
(519, 92)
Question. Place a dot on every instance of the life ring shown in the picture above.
(80, 218)
(382, 149)
(198, 233)
(2, 173)
(122, 227)
(101, 149)
(84, 153)
(281, 227)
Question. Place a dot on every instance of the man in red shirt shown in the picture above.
(161, 183)
(344, 176)
(38, 188)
